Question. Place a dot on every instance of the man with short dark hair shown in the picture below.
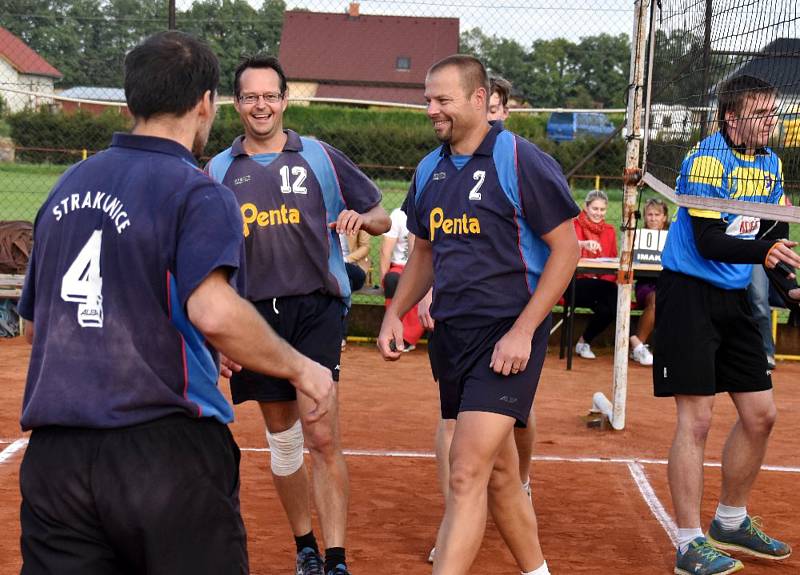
(130, 466)
(705, 338)
(296, 194)
(492, 215)
(500, 91)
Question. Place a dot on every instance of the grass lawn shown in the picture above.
(23, 188)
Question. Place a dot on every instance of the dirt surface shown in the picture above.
(593, 517)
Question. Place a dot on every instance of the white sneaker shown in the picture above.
(641, 354)
(432, 555)
(527, 488)
(584, 350)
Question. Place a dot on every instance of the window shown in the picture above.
(403, 63)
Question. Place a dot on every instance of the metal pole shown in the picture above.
(706, 65)
(171, 23)
(632, 172)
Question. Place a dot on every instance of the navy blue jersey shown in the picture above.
(485, 222)
(119, 245)
(286, 207)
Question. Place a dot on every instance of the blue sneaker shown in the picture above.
(309, 562)
(749, 538)
(339, 570)
(700, 558)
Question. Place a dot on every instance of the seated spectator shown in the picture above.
(656, 217)
(396, 244)
(598, 292)
(355, 250)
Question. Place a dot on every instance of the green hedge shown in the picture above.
(387, 143)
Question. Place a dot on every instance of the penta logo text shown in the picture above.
(459, 226)
(276, 217)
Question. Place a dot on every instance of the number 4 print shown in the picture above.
(83, 285)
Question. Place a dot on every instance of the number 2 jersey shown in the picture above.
(120, 244)
(288, 202)
(484, 216)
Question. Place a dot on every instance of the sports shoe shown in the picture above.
(432, 555)
(309, 562)
(700, 558)
(584, 350)
(642, 355)
(408, 347)
(771, 362)
(527, 488)
(339, 570)
(749, 538)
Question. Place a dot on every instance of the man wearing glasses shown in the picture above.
(296, 194)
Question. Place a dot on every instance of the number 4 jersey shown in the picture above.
(119, 245)
(288, 202)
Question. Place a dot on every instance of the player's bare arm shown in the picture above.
(512, 352)
(235, 328)
(374, 221)
(416, 280)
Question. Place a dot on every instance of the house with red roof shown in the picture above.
(26, 79)
(363, 57)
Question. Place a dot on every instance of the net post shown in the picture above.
(632, 177)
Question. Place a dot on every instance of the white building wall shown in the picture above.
(20, 91)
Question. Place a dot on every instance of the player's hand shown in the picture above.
(511, 353)
(390, 339)
(227, 367)
(349, 222)
(316, 382)
(782, 252)
(424, 311)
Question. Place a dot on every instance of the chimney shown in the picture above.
(352, 10)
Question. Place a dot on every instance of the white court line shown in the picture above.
(653, 502)
(554, 458)
(19, 444)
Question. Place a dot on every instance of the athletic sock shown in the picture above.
(307, 540)
(686, 536)
(334, 556)
(730, 518)
(542, 570)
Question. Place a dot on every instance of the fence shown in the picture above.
(61, 73)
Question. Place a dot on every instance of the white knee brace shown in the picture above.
(286, 450)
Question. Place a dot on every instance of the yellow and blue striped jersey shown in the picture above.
(713, 169)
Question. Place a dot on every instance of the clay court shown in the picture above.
(601, 496)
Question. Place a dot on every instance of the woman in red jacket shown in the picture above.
(598, 292)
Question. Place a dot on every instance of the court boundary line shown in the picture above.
(9, 451)
(544, 458)
(653, 502)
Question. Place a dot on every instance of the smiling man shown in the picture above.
(706, 339)
(492, 215)
(296, 195)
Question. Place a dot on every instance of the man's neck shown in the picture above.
(272, 145)
(733, 140)
(181, 130)
(467, 145)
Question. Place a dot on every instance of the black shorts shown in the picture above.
(158, 498)
(706, 340)
(312, 324)
(460, 358)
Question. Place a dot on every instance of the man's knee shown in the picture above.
(467, 475)
(760, 422)
(321, 437)
(286, 450)
(697, 424)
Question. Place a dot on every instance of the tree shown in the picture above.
(602, 64)
(233, 28)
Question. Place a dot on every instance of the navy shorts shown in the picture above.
(160, 498)
(460, 361)
(706, 340)
(312, 324)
